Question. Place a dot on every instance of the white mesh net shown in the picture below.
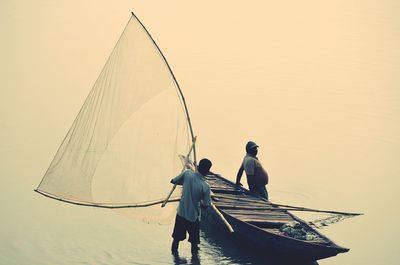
(125, 143)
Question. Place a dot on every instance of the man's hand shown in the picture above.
(239, 187)
(239, 184)
(203, 206)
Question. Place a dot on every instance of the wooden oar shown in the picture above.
(226, 223)
(221, 216)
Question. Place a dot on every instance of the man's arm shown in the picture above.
(249, 167)
(178, 180)
(239, 175)
(206, 201)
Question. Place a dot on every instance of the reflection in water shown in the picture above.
(223, 250)
(179, 260)
(195, 260)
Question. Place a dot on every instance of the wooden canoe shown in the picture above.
(256, 224)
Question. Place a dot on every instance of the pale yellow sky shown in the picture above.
(311, 78)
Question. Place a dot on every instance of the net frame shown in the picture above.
(188, 120)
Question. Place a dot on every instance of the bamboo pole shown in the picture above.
(169, 195)
(177, 85)
(173, 188)
(226, 223)
(221, 216)
(107, 206)
(299, 208)
(282, 207)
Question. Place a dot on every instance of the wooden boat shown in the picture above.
(256, 224)
(137, 85)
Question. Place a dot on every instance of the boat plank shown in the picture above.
(264, 212)
(263, 218)
(260, 214)
(246, 207)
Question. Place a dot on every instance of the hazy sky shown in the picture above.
(313, 78)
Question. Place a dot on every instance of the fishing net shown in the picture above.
(323, 220)
(130, 137)
(320, 220)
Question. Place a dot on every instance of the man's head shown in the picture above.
(251, 148)
(204, 166)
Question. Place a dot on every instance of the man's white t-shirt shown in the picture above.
(195, 189)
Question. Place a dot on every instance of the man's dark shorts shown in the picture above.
(182, 226)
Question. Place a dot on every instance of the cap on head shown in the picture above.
(204, 166)
(250, 145)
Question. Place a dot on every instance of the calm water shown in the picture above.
(36, 230)
(315, 85)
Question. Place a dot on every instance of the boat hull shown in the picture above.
(260, 240)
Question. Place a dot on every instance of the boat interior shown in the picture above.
(256, 211)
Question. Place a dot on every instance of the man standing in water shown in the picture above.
(195, 194)
(257, 177)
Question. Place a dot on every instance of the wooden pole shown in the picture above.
(298, 208)
(173, 188)
(224, 221)
(221, 216)
(169, 195)
(177, 85)
(281, 207)
(107, 206)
